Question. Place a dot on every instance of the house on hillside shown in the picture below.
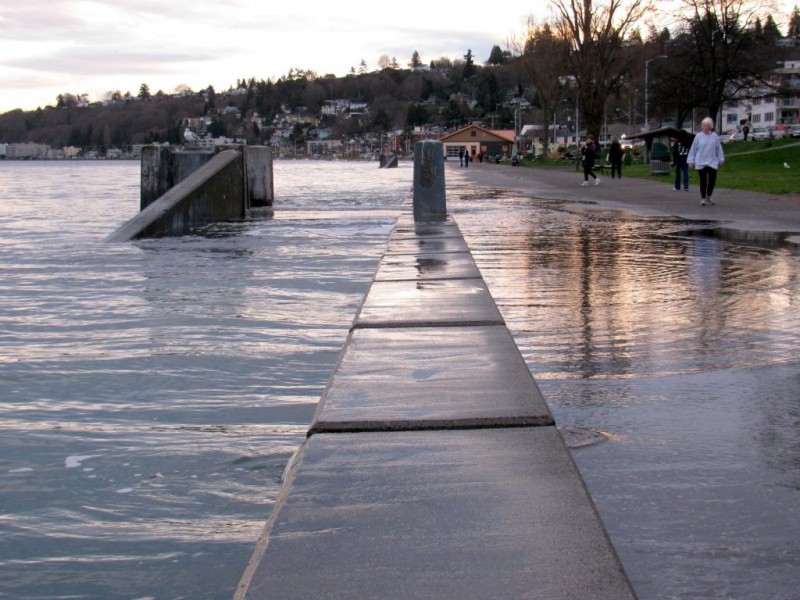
(775, 107)
(475, 139)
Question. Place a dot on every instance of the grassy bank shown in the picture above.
(751, 166)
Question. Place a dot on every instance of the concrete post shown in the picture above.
(258, 175)
(430, 203)
(163, 168)
(156, 178)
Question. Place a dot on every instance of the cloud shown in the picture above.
(103, 44)
(83, 60)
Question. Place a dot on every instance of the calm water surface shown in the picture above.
(151, 393)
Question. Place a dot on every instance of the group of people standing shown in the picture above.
(464, 157)
(704, 154)
(589, 152)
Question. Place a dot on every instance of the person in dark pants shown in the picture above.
(746, 131)
(615, 155)
(680, 155)
(589, 158)
(461, 157)
(706, 156)
(467, 159)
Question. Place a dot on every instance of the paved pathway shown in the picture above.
(736, 209)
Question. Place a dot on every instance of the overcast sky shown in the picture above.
(94, 46)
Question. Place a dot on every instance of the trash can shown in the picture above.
(659, 167)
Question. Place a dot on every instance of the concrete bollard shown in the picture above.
(430, 203)
(163, 168)
(258, 168)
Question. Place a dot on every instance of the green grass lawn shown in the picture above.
(762, 171)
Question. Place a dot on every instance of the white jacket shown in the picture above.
(706, 151)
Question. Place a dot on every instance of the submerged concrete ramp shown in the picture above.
(433, 468)
(183, 190)
(212, 193)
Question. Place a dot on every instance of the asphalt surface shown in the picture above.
(734, 209)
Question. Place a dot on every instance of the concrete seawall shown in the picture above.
(212, 193)
(433, 468)
(181, 191)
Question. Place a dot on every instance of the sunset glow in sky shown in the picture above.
(93, 46)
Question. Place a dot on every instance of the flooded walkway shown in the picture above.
(647, 328)
(735, 209)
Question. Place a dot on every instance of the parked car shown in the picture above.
(793, 131)
(760, 134)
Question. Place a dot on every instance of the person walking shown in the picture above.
(461, 157)
(615, 155)
(706, 156)
(466, 159)
(589, 158)
(680, 154)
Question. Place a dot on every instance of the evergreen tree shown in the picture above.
(382, 121)
(469, 65)
(144, 92)
(794, 24)
(417, 115)
(497, 56)
(415, 60)
(770, 33)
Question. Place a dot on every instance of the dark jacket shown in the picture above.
(680, 151)
(590, 154)
(615, 152)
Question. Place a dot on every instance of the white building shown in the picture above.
(775, 107)
(27, 150)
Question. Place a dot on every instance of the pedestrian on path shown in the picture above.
(706, 156)
(615, 155)
(461, 157)
(680, 158)
(589, 158)
(467, 159)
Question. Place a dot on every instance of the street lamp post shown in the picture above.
(646, 67)
(516, 128)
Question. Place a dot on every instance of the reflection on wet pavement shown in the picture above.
(678, 341)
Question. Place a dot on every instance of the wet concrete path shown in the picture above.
(676, 341)
(735, 209)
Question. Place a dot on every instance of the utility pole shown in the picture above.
(646, 66)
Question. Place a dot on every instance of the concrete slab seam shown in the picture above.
(410, 324)
(433, 425)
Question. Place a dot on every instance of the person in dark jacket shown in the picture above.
(589, 158)
(680, 153)
(615, 154)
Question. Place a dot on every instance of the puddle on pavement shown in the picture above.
(676, 344)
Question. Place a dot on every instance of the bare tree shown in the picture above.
(716, 56)
(542, 57)
(596, 31)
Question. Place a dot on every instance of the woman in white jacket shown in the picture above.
(706, 157)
